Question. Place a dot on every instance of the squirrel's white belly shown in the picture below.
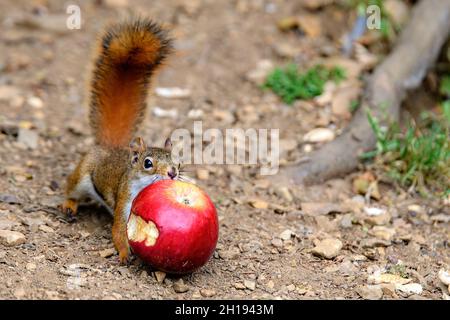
(85, 188)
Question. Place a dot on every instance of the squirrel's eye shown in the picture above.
(148, 163)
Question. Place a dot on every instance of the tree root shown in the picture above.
(404, 69)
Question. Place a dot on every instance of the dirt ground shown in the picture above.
(267, 230)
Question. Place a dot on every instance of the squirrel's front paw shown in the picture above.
(120, 239)
(124, 256)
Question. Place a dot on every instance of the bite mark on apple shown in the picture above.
(140, 230)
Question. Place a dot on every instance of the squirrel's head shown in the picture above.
(152, 161)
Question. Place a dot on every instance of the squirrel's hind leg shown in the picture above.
(69, 207)
(79, 185)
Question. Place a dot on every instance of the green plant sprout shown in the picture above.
(418, 157)
(290, 84)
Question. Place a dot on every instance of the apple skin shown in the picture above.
(186, 224)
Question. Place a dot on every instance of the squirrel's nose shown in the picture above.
(172, 173)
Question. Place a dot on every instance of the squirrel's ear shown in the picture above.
(137, 145)
(168, 144)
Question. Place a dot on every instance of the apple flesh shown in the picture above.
(173, 226)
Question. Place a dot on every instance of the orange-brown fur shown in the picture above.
(129, 54)
(114, 169)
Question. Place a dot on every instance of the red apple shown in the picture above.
(173, 226)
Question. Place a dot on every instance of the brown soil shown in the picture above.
(218, 43)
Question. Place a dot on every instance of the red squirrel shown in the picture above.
(120, 165)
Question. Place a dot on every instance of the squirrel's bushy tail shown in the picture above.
(129, 54)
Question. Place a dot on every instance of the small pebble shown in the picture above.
(286, 234)
(251, 285)
(11, 238)
(160, 276)
(31, 266)
(278, 243)
(173, 93)
(106, 253)
(328, 248)
(202, 174)
(46, 229)
(319, 135)
(207, 293)
(35, 102)
(444, 276)
(259, 204)
(410, 288)
(180, 287)
(370, 292)
(239, 286)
